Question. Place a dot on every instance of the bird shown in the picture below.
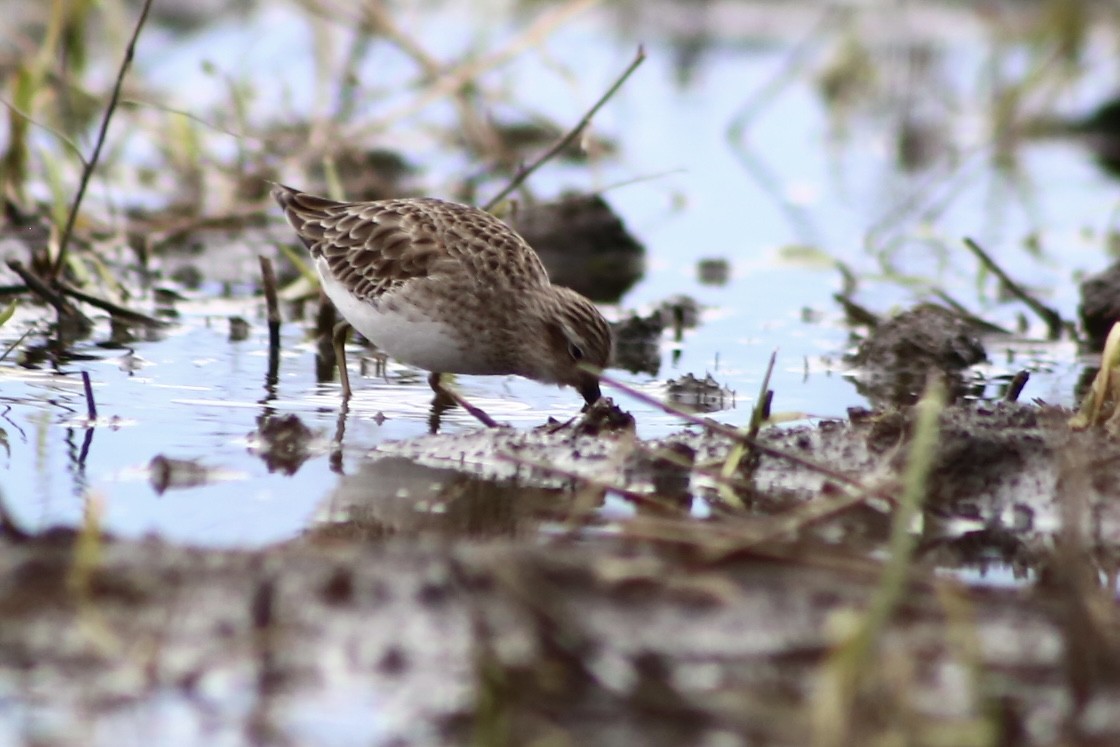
(448, 288)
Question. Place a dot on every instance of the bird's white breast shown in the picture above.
(405, 332)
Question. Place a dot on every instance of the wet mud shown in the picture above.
(480, 582)
(584, 245)
(568, 582)
(1100, 305)
(606, 642)
(897, 357)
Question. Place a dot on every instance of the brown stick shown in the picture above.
(36, 285)
(524, 172)
(91, 406)
(1016, 387)
(105, 305)
(272, 302)
(89, 166)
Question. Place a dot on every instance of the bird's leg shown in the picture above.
(339, 338)
(339, 434)
(434, 382)
(446, 398)
(433, 420)
(441, 403)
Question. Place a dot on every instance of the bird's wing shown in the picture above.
(374, 247)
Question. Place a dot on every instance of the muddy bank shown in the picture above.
(415, 606)
(1003, 472)
(607, 641)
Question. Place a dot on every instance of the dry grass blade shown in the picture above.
(10, 529)
(7, 313)
(81, 580)
(91, 164)
(786, 524)
(853, 661)
(468, 72)
(1051, 317)
(1100, 405)
(735, 455)
(524, 172)
(58, 135)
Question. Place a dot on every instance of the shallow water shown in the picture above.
(797, 175)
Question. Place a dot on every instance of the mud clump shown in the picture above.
(282, 442)
(897, 358)
(1100, 305)
(700, 395)
(713, 271)
(584, 245)
(637, 343)
(368, 175)
(604, 416)
(637, 338)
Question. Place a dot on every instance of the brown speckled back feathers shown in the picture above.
(374, 247)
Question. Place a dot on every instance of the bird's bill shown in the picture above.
(589, 388)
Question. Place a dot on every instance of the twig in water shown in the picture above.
(65, 309)
(968, 316)
(91, 406)
(91, 164)
(1051, 317)
(1018, 381)
(8, 350)
(856, 313)
(272, 302)
(115, 309)
(738, 533)
(524, 172)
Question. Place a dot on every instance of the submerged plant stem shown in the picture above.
(91, 405)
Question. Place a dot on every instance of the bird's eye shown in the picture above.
(575, 351)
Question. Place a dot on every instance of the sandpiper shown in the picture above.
(448, 288)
